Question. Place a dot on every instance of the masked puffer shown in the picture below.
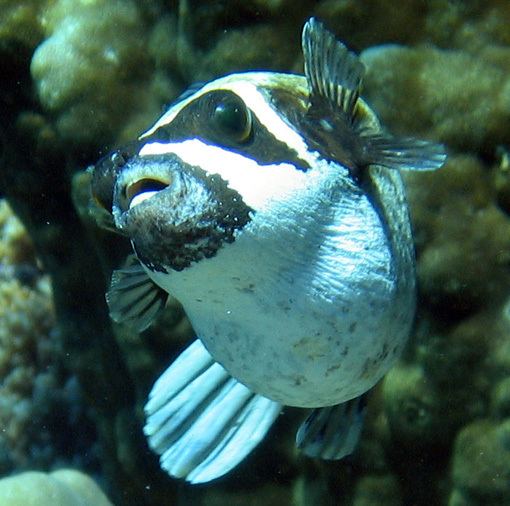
(272, 207)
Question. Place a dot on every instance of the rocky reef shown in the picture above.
(78, 77)
(41, 402)
(65, 487)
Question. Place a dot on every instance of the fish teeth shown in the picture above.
(138, 199)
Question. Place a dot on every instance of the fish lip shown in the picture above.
(188, 220)
(162, 172)
(157, 183)
(125, 218)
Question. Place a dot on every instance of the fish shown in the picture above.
(272, 207)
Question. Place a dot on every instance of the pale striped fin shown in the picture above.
(405, 153)
(201, 421)
(333, 72)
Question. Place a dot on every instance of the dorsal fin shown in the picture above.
(334, 74)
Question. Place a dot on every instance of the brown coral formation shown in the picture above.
(20, 21)
(34, 385)
(26, 358)
(28, 351)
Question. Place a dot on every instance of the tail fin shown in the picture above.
(201, 421)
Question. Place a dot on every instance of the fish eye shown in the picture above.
(233, 119)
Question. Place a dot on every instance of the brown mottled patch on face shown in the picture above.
(187, 221)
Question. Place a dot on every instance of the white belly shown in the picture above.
(312, 315)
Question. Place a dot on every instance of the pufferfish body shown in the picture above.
(271, 206)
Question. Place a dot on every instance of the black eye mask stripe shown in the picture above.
(196, 121)
(187, 221)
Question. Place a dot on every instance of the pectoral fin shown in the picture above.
(405, 153)
(332, 433)
(334, 76)
(201, 421)
(133, 298)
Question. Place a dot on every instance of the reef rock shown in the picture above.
(481, 465)
(93, 68)
(453, 96)
(60, 488)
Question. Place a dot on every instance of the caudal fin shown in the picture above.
(201, 421)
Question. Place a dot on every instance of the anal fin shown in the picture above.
(201, 421)
(133, 298)
(332, 433)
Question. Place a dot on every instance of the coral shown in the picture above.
(15, 246)
(374, 21)
(33, 384)
(464, 98)
(462, 236)
(481, 465)
(381, 490)
(261, 46)
(468, 25)
(60, 488)
(412, 406)
(500, 399)
(19, 21)
(26, 360)
(26, 346)
(93, 68)
(446, 24)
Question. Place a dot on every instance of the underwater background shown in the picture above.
(79, 77)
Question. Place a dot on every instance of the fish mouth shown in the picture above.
(174, 213)
(143, 178)
(143, 188)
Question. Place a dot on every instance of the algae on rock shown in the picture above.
(39, 399)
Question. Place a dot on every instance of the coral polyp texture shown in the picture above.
(79, 77)
(27, 349)
(89, 49)
(34, 385)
